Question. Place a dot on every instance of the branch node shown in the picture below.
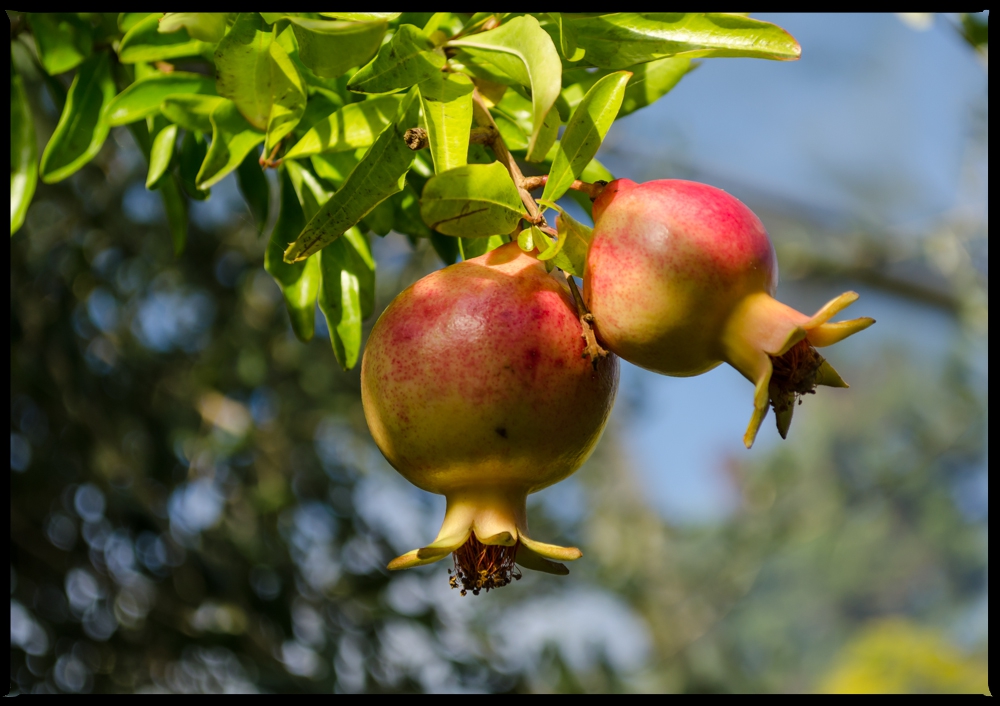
(415, 138)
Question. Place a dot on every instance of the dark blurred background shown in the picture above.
(197, 505)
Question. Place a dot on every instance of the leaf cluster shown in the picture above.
(327, 99)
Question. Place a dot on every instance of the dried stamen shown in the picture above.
(480, 567)
(794, 375)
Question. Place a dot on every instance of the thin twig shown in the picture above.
(592, 190)
(591, 347)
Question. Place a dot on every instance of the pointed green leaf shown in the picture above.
(176, 208)
(347, 289)
(522, 49)
(567, 39)
(474, 201)
(362, 16)
(547, 137)
(526, 239)
(243, 68)
(575, 239)
(145, 42)
(128, 20)
(353, 126)
(548, 249)
(652, 81)
(619, 40)
(205, 26)
(331, 48)
(64, 40)
(160, 154)
(23, 152)
(299, 283)
(144, 98)
(446, 100)
(255, 189)
(406, 59)
(191, 112)
(584, 132)
(335, 167)
(232, 139)
(82, 126)
(193, 151)
(311, 193)
(379, 174)
(288, 97)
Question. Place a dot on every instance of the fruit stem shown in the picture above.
(481, 114)
(592, 348)
(591, 190)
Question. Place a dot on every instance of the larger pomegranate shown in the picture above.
(475, 387)
(681, 277)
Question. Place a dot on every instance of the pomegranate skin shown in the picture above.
(475, 386)
(668, 262)
(681, 277)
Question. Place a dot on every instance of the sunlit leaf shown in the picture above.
(299, 282)
(329, 48)
(347, 289)
(145, 42)
(619, 40)
(575, 240)
(83, 125)
(191, 112)
(232, 139)
(23, 152)
(522, 49)
(406, 59)
(362, 16)
(473, 201)
(474, 247)
(353, 126)
(205, 26)
(584, 132)
(144, 98)
(379, 174)
(128, 20)
(160, 154)
(63, 39)
(288, 97)
(446, 100)
(243, 68)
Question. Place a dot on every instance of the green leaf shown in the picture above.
(406, 59)
(652, 81)
(522, 49)
(160, 154)
(144, 97)
(243, 68)
(176, 208)
(312, 195)
(191, 112)
(145, 42)
(128, 20)
(379, 174)
(362, 16)
(23, 152)
(205, 26)
(335, 167)
(474, 247)
(446, 100)
(82, 126)
(232, 139)
(193, 151)
(575, 239)
(331, 48)
(584, 132)
(64, 40)
(474, 201)
(619, 40)
(347, 289)
(526, 239)
(567, 39)
(255, 189)
(299, 283)
(548, 249)
(445, 246)
(353, 126)
(547, 137)
(288, 97)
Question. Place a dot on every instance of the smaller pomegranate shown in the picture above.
(681, 276)
(475, 387)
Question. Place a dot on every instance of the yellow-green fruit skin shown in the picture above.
(474, 379)
(668, 263)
